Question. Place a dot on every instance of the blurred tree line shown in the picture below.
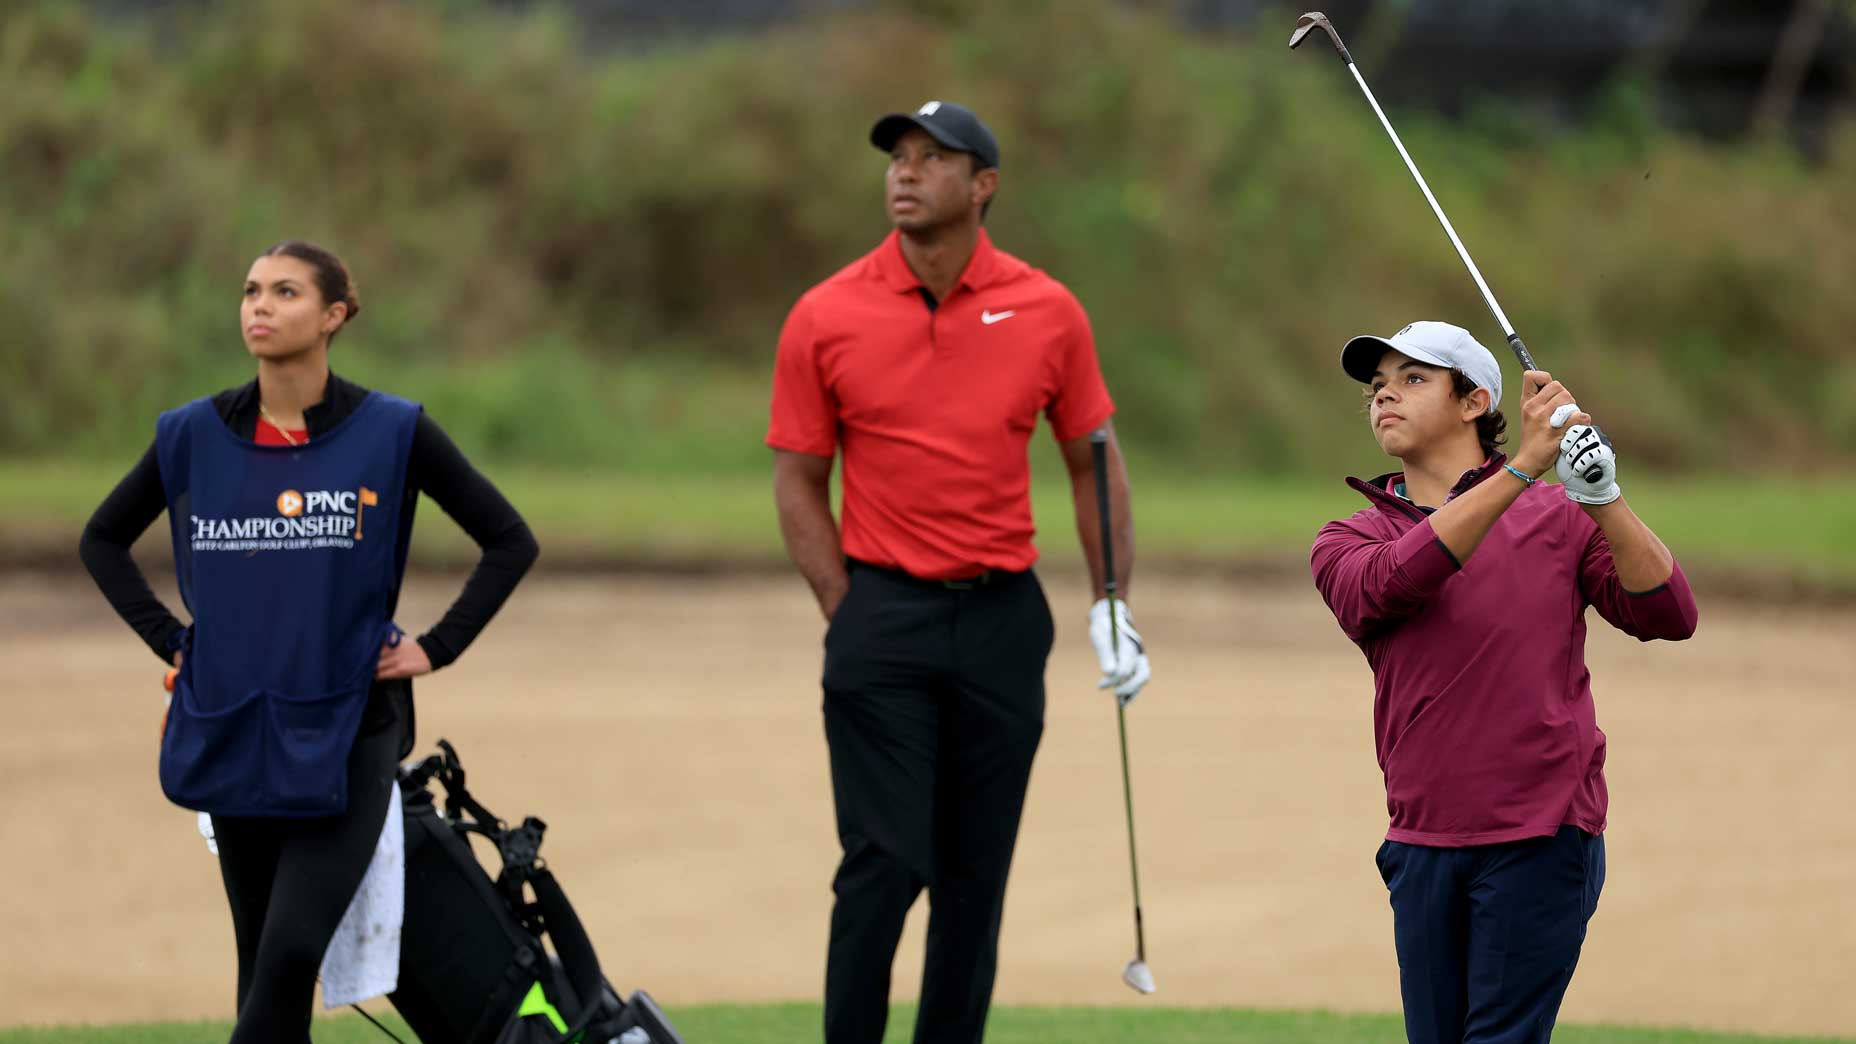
(1721, 67)
(582, 255)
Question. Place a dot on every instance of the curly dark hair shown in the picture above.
(1491, 427)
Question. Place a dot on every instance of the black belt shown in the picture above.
(983, 578)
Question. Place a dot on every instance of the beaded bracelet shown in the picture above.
(1517, 473)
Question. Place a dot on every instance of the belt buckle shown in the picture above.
(981, 580)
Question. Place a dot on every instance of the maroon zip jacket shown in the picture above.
(1482, 704)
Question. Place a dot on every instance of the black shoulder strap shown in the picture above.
(571, 945)
(521, 974)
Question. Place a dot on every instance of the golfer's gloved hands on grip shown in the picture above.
(1588, 467)
(1119, 650)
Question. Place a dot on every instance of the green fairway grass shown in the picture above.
(783, 1023)
(1781, 534)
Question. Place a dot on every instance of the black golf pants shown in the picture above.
(934, 703)
(289, 881)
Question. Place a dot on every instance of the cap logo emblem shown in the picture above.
(929, 109)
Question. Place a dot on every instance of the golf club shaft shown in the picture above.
(1127, 798)
(1098, 447)
(1488, 296)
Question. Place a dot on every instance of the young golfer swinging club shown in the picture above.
(1465, 582)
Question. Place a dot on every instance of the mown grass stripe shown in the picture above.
(1120, 1024)
(1781, 531)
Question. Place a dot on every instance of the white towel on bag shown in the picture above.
(363, 958)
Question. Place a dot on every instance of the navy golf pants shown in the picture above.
(1488, 936)
(934, 704)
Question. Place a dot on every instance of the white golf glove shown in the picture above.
(1119, 650)
(1587, 466)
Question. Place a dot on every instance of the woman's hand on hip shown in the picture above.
(405, 660)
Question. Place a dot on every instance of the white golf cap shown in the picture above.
(1433, 343)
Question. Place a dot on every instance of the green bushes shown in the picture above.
(556, 246)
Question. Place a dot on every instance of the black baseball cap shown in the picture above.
(954, 126)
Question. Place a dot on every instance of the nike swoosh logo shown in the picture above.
(990, 318)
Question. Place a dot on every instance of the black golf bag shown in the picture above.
(473, 967)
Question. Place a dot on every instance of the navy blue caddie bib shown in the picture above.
(289, 559)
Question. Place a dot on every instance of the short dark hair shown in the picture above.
(975, 165)
(1491, 427)
(332, 279)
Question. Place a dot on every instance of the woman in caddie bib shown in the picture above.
(290, 500)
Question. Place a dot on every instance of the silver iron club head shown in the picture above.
(1311, 21)
(1139, 976)
(1303, 25)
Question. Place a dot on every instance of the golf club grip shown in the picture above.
(1521, 352)
(1098, 448)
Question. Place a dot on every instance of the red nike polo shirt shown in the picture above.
(933, 409)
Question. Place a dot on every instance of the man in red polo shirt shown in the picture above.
(925, 363)
(1465, 583)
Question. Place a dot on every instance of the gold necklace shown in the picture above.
(280, 428)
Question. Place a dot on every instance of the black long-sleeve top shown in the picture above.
(436, 467)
